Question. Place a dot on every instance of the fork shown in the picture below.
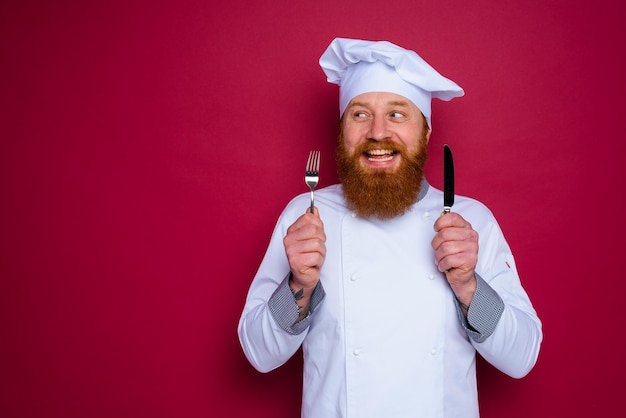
(312, 174)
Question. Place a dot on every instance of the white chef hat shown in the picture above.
(359, 66)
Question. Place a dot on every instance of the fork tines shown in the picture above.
(311, 174)
(313, 164)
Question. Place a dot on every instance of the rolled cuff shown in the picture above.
(284, 309)
(484, 312)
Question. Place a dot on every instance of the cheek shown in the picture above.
(411, 146)
(411, 140)
(351, 138)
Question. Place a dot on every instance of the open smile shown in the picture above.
(380, 155)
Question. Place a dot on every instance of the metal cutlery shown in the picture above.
(312, 174)
(448, 180)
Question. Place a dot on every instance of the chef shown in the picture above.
(389, 300)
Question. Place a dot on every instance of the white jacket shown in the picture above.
(387, 340)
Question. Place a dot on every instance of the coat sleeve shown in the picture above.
(513, 346)
(267, 330)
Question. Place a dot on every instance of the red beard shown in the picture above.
(376, 193)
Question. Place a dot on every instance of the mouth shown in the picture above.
(380, 155)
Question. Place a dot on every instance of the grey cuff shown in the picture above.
(484, 312)
(284, 309)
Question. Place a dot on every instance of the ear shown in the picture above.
(428, 135)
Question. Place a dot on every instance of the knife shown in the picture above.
(448, 180)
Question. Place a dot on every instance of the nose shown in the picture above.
(379, 129)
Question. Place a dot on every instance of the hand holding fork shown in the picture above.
(305, 245)
(312, 174)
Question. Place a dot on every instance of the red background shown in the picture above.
(147, 149)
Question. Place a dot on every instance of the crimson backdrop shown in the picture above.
(148, 147)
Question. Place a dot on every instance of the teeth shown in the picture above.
(380, 158)
(380, 152)
(380, 155)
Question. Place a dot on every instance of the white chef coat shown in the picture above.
(387, 339)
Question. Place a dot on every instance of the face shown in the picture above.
(378, 125)
(381, 154)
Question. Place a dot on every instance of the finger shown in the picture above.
(453, 261)
(301, 258)
(305, 256)
(456, 241)
(315, 244)
(306, 220)
(305, 235)
(451, 220)
(457, 265)
(454, 234)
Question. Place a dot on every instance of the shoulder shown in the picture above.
(327, 199)
(476, 212)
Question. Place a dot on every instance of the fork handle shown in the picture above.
(312, 202)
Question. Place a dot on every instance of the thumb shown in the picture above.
(315, 211)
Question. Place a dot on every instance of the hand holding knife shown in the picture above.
(458, 264)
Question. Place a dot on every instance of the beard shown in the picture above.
(379, 193)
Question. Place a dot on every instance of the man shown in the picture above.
(389, 300)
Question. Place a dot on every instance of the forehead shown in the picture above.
(374, 99)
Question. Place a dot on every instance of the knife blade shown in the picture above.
(448, 180)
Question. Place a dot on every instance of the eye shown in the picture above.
(396, 115)
(359, 114)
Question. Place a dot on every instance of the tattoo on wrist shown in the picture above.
(464, 308)
(299, 294)
(302, 310)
